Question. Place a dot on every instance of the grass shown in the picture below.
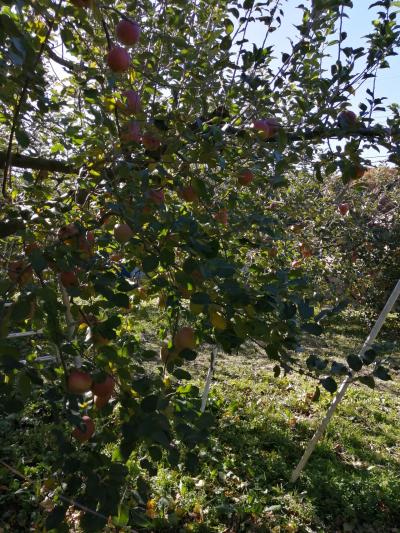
(352, 481)
(262, 424)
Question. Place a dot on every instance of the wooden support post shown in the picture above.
(345, 384)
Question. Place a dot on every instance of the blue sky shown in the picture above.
(357, 26)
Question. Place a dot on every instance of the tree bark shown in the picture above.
(38, 163)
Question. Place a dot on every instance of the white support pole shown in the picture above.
(207, 385)
(40, 359)
(24, 334)
(345, 384)
(68, 314)
(70, 321)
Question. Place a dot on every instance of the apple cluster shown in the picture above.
(81, 382)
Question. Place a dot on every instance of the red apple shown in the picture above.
(69, 279)
(84, 435)
(267, 128)
(156, 196)
(105, 387)
(122, 233)
(84, 247)
(133, 104)
(343, 208)
(131, 132)
(101, 401)
(30, 247)
(68, 232)
(118, 59)
(90, 238)
(359, 172)
(79, 382)
(19, 271)
(97, 338)
(150, 142)
(188, 194)
(222, 216)
(128, 32)
(245, 177)
(184, 338)
(305, 250)
(147, 211)
(116, 257)
(347, 119)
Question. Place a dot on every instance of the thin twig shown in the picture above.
(61, 497)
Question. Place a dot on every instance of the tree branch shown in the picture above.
(71, 65)
(37, 163)
(53, 165)
(324, 133)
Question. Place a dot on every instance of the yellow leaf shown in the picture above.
(218, 320)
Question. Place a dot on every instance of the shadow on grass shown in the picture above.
(363, 494)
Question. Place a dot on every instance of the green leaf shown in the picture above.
(167, 257)
(122, 519)
(149, 404)
(305, 310)
(56, 517)
(382, 373)
(192, 462)
(119, 299)
(229, 26)
(368, 381)
(13, 405)
(142, 385)
(225, 44)
(24, 385)
(354, 362)
(10, 227)
(188, 355)
(248, 4)
(150, 263)
(369, 356)
(161, 437)
(179, 373)
(329, 384)
(22, 138)
(312, 328)
(92, 524)
(155, 453)
(38, 260)
(201, 298)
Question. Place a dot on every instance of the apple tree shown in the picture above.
(143, 148)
